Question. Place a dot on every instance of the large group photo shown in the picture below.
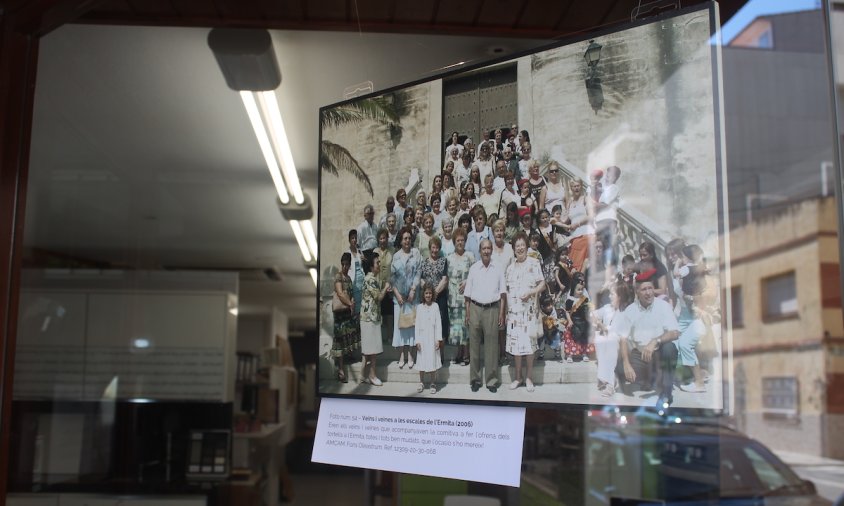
(543, 230)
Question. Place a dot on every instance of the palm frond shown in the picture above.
(327, 165)
(334, 159)
(377, 109)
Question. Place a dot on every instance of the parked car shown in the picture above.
(686, 463)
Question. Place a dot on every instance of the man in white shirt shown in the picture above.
(606, 214)
(486, 307)
(368, 230)
(647, 330)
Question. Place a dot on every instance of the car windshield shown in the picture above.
(680, 467)
(694, 467)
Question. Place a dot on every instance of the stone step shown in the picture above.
(544, 371)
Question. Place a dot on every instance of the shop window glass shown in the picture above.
(780, 296)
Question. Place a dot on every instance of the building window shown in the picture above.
(765, 40)
(780, 397)
(779, 297)
(737, 306)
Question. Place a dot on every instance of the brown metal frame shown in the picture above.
(17, 51)
(22, 24)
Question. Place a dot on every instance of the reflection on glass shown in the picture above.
(89, 416)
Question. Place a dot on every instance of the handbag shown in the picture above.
(337, 305)
(407, 319)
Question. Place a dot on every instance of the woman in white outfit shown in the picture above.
(555, 190)
(524, 284)
(606, 340)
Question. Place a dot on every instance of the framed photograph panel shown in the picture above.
(548, 228)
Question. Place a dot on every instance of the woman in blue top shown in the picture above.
(405, 274)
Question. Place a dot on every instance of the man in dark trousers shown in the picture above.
(486, 307)
(647, 330)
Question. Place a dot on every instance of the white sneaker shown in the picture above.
(692, 387)
(608, 391)
(375, 382)
(515, 384)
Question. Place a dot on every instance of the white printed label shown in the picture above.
(420, 438)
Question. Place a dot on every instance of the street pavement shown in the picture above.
(826, 474)
(550, 392)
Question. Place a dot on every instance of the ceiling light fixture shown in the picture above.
(308, 228)
(264, 142)
(299, 217)
(300, 238)
(269, 106)
(263, 112)
(313, 275)
(249, 65)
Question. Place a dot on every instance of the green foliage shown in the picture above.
(378, 109)
(334, 158)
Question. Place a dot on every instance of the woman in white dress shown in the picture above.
(524, 284)
(429, 339)
(606, 339)
(370, 316)
(555, 190)
(485, 161)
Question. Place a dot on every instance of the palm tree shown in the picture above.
(334, 158)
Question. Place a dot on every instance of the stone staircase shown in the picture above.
(387, 369)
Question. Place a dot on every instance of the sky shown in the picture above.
(756, 8)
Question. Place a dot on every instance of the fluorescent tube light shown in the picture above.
(300, 238)
(269, 129)
(278, 135)
(308, 228)
(313, 275)
(264, 143)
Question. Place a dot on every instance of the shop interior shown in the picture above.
(167, 323)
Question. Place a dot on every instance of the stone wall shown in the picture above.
(794, 240)
(657, 120)
(657, 123)
(804, 436)
(388, 156)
